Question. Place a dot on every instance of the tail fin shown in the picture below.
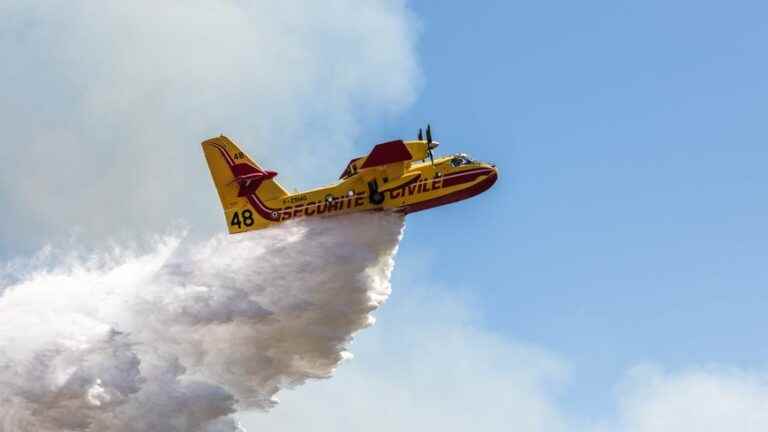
(243, 186)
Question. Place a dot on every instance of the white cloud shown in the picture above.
(105, 103)
(698, 399)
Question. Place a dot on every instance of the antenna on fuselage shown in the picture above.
(420, 138)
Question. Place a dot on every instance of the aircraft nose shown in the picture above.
(490, 179)
(494, 171)
(490, 167)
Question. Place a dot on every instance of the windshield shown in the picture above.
(460, 159)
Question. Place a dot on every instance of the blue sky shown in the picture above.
(626, 230)
(629, 222)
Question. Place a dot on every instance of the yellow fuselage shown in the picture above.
(422, 186)
(404, 186)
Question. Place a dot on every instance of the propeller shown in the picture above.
(429, 143)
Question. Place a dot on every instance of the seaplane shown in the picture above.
(399, 176)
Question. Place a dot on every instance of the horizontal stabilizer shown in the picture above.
(251, 181)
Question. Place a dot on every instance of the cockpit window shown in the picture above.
(460, 160)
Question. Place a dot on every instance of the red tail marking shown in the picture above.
(248, 177)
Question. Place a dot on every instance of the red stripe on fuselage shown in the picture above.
(459, 195)
(464, 176)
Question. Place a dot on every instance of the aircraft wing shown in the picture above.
(387, 153)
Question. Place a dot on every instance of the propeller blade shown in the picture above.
(429, 134)
(421, 138)
(431, 158)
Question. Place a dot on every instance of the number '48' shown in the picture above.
(242, 218)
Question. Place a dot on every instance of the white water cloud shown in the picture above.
(105, 103)
(178, 339)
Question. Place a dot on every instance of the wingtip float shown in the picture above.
(400, 176)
